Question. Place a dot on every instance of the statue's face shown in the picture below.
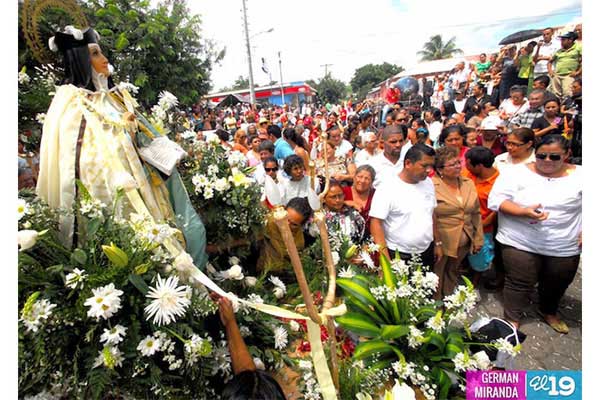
(98, 60)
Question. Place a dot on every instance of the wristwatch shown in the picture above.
(438, 243)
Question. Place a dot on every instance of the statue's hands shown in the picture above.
(130, 123)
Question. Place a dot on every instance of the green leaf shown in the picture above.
(390, 281)
(391, 332)
(142, 268)
(140, 80)
(359, 323)
(101, 12)
(121, 42)
(55, 269)
(93, 226)
(139, 283)
(436, 340)
(351, 302)
(443, 382)
(83, 192)
(78, 257)
(371, 347)
(362, 294)
(105, 32)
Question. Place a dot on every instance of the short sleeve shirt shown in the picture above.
(407, 213)
(567, 61)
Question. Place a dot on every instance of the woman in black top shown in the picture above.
(551, 122)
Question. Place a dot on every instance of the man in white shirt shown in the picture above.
(460, 76)
(402, 211)
(368, 151)
(390, 161)
(545, 50)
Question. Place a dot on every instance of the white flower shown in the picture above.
(399, 266)
(40, 118)
(170, 301)
(254, 298)
(26, 239)
(258, 363)
(245, 331)
(372, 247)
(367, 260)
(281, 337)
(213, 139)
(250, 281)
(305, 365)
(188, 134)
(233, 273)
(415, 337)
(158, 233)
(236, 159)
(105, 302)
(184, 263)
(199, 182)
(214, 170)
(403, 369)
(430, 281)
(210, 269)
(482, 360)
(335, 256)
(114, 335)
(462, 362)
(167, 100)
(436, 323)
(294, 326)
(504, 345)
(40, 310)
(239, 178)
(23, 78)
(221, 185)
(403, 290)
(280, 289)
(130, 87)
(75, 278)
(208, 193)
(92, 208)
(22, 208)
(347, 272)
(110, 357)
(402, 392)
(233, 260)
(124, 180)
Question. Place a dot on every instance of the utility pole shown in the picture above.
(326, 65)
(281, 79)
(252, 95)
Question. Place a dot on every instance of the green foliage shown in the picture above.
(437, 49)
(330, 90)
(240, 83)
(369, 75)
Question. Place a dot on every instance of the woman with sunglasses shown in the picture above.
(458, 219)
(539, 215)
(519, 145)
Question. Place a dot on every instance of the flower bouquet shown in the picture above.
(405, 334)
(223, 193)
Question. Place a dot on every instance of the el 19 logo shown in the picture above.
(553, 385)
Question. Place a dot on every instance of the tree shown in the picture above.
(330, 90)
(155, 45)
(436, 49)
(370, 75)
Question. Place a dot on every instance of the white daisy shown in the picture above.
(40, 118)
(170, 301)
(22, 208)
(214, 170)
(436, 323)
(75, 278)
(281, 337)
(149, 345)
(415, 337)
(504, 345)
(280, 289)
(167, 100)
(367, 260)
(158, 233)
(114, 335)
(32, 318)
(462, 362)
(105, 302)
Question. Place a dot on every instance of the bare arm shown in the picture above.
(379, 236)
(241, 360)
(512, 208)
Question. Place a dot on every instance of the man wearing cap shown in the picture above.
(489, 135)
(567, 65)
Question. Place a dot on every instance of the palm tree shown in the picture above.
(436, 49)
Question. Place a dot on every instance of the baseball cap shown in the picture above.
(263, 120)
(569, 35)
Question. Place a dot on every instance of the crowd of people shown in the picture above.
(488, 180)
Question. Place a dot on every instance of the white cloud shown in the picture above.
(350, 34)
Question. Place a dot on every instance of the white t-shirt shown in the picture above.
(407, 213)
(546, 50)
(459, 105)
(561, 198)
(384, 167)
(343, 148)
(363, 157)
(511, 109)
(435, 129)
(290, 189)
(504, 160)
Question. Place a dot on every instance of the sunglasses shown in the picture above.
(271, 169)
(543, 156)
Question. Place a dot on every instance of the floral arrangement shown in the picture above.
(167, 118)
(223, 193)
(406, 335)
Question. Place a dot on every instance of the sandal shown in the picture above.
(558, 325)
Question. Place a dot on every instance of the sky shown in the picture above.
(350, 34)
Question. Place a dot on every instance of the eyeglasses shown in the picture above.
(515, 144)
(271, 169)
(543, 156)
